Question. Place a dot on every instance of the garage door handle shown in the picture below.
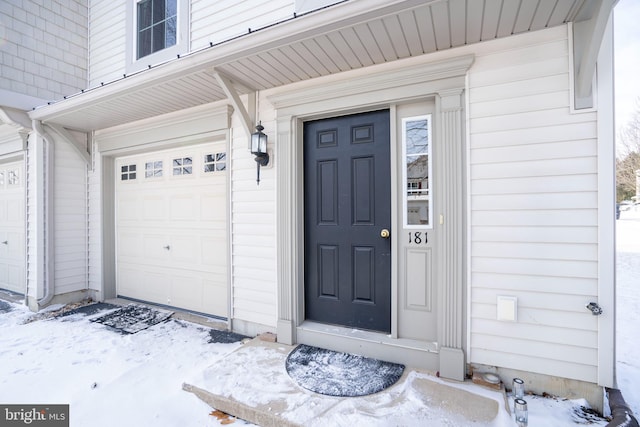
(167, 247)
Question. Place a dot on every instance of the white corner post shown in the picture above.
(286, 231)
(449, 155)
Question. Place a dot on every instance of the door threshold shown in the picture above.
(415, 353)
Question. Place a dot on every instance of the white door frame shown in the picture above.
(188, 127)
(365, 90)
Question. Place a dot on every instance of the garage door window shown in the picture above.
(153, 169)
(128, 172)
(1, 178)
(215, 162)
(183, 166)
(14, 179)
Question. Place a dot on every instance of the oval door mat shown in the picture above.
(340, 374)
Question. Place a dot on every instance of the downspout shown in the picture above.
(48, 215)
(620, 411)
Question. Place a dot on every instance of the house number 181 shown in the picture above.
(418, 237)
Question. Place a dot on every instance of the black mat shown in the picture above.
(133, 318)
(90, 309)
(5, 307)
(225, 337)
(340, 374)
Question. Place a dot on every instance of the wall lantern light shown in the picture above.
(259, 148)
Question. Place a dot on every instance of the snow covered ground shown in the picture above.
(628, 302)
(136, 380)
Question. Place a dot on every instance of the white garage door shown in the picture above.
(12, 227)
(171, 238)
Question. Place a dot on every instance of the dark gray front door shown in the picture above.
(347, 206)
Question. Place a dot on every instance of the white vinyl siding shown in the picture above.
(70, 211)
(214, 22)
(211, 22)
(107, 41)
(253, 228)
(94, 224)
(533, 206)
(35, 211)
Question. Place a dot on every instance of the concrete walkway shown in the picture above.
(252, 384)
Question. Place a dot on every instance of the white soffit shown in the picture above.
(347, 36)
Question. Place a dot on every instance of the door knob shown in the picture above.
(385, 233)
(167, 247)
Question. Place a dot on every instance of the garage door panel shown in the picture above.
(127, 208)
(210, 208)
(186, 291)
(129, 244)
(183, 207)
(144, 284)
(173, 230)
(184, 250)
(15, 211)
(214, 295)
(153, 207)
(12, 228)
(155, 248)
(15, 246)
(213, 252)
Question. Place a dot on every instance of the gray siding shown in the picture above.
(45, 51)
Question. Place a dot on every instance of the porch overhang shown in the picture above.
(348, 35)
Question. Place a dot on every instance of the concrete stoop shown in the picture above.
(251, 383)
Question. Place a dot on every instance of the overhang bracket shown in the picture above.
(247, 114)
(65, 134)
(587, 38)
(19, 120)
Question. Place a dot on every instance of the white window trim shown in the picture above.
(180, 48)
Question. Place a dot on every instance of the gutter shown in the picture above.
(620, 411)
(48, 215)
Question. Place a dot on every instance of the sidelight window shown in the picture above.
(417, 171)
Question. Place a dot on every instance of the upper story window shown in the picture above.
(157, 26)
(157, 31)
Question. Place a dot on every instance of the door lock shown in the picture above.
(385, 233)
